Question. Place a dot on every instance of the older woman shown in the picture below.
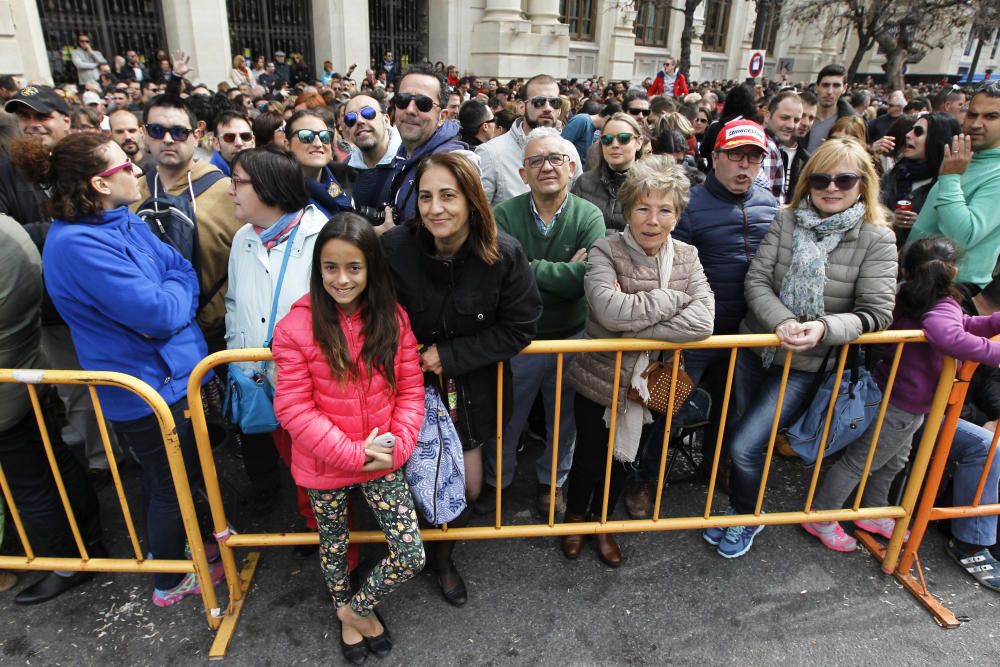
(472, 300)
(640, 283)
(619, 143)
(240, 75)
(824, 274)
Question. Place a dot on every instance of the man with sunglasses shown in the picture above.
(637, 105)
(233, 134)
(540, 105)
(374, 145)
(87, 61)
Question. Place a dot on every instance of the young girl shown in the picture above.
(926, 300)
(350, 393)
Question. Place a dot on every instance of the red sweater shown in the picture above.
(680, 85)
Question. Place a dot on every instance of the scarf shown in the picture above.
(278, 232)
(328, 195)
(906, 173)
(812, 240)
(628, 425)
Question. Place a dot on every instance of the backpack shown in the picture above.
(171, 218)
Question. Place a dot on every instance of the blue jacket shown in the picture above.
(327, 194)
(726, 229)
(129, 301)
(221, 163)
(405, 168)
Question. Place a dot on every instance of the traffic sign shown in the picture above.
(756, 66)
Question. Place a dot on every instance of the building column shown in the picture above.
(341, 35)
(185, 21)
(448, 35)
(616, 39)
(503, 10)
(507, 45)
(22, 46)
(543, 12)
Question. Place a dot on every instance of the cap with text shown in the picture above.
(738, 133)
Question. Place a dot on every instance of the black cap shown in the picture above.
(42, 99)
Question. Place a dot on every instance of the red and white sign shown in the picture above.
(755, 66)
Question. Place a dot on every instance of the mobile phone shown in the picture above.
(386, 440)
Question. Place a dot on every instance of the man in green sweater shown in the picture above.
(555, 229)
(962, 205)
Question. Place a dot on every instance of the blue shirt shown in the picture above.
(580, 132)
(542, 227)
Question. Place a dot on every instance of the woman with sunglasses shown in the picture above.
(310, 140)
(619, 144)
(824, 274)
(129, 301)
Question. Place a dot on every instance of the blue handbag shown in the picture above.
(436, 469)
(856, 408)
(249, 403)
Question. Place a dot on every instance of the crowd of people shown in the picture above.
(414, 228)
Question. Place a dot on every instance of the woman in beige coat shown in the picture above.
(640, 283)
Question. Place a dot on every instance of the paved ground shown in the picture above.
(789, 601)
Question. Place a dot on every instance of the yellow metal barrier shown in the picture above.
(85, 563)
(239, 582)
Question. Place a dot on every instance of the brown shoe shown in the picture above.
(542, 501)
(608, 549)
(573, 544)
(639, 499)
(7, 581)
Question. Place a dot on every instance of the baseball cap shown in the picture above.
(90, 97)
(38, 98)
(740, 133)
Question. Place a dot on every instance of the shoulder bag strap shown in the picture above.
(281, 278)
(819, 377)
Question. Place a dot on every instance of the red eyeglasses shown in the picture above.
(110, 171)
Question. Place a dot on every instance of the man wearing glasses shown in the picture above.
(87, 61)
(233, 135)
(374, 145)
(637, 105)
(540, 105)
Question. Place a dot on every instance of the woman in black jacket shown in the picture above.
(472, 301)
(617, 149)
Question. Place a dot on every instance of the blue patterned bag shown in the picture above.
(436, 469)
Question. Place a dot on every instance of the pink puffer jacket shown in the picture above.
(329, 421)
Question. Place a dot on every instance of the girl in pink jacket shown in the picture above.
(350, 393)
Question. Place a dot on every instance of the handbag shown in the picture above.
(436, 469)
(657, 376)
(857, 405)
(249, 403)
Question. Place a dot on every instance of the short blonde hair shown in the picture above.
(655, 173)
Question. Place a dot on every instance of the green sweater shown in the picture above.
(964, 208)
(564, 306)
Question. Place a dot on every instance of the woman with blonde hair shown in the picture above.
(240, 75)
(612, 155)
(824, 274)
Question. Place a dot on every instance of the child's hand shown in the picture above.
(376, 458)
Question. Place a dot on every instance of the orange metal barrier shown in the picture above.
(85, 563)
(239, 580)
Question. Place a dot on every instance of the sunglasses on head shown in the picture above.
(307, 136)
(177, 132)
(351, 117)
(918, 130)
(424, 103)
(624, 138)
(538, 101)
(230, 137)
(639, 112)
(844, 181)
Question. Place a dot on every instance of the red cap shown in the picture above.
(740, 133)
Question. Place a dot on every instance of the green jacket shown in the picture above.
(564, 307)
(965, 209)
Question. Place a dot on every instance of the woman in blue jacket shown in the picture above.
(130, 302)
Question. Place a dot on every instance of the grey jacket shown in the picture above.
(20, 315)
(598, 187)
(685, 311)
(859, 295)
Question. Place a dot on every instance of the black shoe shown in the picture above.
(452, 586)
(99, 477)
(382, 644)
(305, 550)
(355, 654)
(50, 587)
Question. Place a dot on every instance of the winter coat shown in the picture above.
(858, 298)
(20, 315)
(680, 87)
(726, 229)
(680, 313)
(597, 187)
(403, 188)
(476, 314)
(371, 188)
(329, 420)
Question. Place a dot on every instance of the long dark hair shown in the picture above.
(941, 129)
(378, 305)
(929, 266)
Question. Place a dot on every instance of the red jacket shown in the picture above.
(329, 421)
(680, 85)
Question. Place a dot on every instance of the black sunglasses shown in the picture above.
(624, 138)
(230, 137)
(177, 133)
(538, 101)
(918, 130)
(424, 103)
(639, 112)
(307, 136)
(842, 182)
(351, 117)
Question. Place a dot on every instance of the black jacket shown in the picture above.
(475, 313)
(600, 186)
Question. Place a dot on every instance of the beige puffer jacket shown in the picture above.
(685, 311)
(860, 288)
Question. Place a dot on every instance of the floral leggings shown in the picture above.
(391, 503)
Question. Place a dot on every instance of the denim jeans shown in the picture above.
(164, 528)
(968, 450)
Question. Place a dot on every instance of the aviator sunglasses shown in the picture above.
(538, 101)
(351, 117)
(402, 100)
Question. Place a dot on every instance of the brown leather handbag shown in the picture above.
(657, 376)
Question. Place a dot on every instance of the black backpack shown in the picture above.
(171, 218)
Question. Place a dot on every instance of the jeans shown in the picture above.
(22, 457)
(968, 450)
(533, 373)
(164, 528)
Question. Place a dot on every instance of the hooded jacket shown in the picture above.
(371, 187)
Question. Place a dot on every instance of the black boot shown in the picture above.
(440, 558)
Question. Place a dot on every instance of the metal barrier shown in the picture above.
(901, 565)
(85, 563)
(239, 581)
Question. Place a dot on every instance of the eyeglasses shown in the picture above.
(755, 157)
(308, 136)
(177, 132)
(918, 130)
(555, 159)
(351, 117)
(700, 120)
(538, 101)
(237, 181)
(424, 103)
(638, 112)
(127, 164)
(624, 138)
(230, 137)
(842, 182)
(490, 120)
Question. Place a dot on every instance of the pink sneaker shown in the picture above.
(883, 527)
(189, 585)
(831, 535)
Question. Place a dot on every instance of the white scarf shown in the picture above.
(628, 426)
